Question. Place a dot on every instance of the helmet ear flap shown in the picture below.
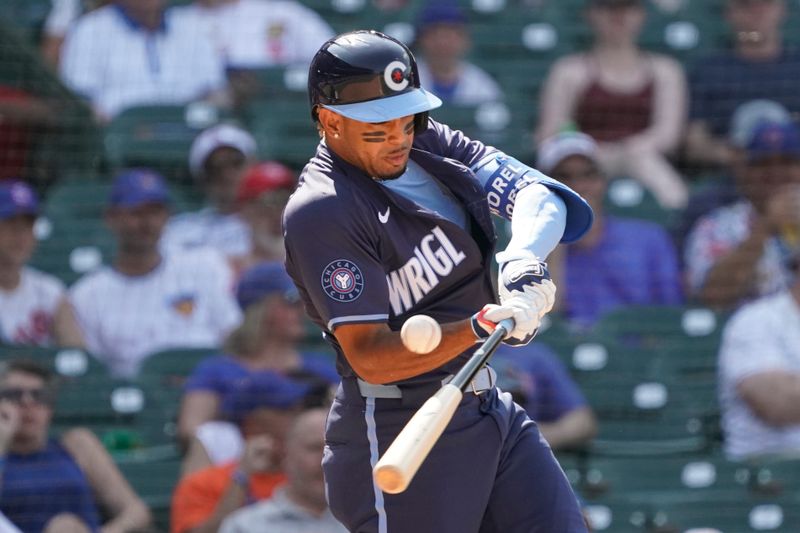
(421, 122)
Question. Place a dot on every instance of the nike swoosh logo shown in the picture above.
(384, 217)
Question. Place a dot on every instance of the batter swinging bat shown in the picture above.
(395, 470)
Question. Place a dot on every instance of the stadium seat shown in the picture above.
(67, 363)
(153, 480)
(647, 478)
(284, 130)
(157, 136)
(627, 197)
(174, 365)
(616, 515)
(727, 514)
(123, 414)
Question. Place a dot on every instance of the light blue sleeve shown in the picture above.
(503, 177)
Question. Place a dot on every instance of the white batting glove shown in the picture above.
(520, 308)
(530, 278)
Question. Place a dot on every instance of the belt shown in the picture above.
(484, 380)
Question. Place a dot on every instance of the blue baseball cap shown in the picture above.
(136, 187)
(17, 198)
(441, 12)
(264, 389)
(774, 138)
(262, 280)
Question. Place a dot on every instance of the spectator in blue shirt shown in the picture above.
(538, 381)
(266, 341)
(620, 261)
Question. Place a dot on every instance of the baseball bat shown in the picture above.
(395, 470)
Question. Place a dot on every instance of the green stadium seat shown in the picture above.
(627, 197)
(123, 414)
(175, 364)
(67, 363)
(648, 478)
(157, 136)
(726, 514)
(284, 130)
(153, 480)
(642, 417)
(616, 515)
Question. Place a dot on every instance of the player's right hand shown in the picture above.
(520, 308)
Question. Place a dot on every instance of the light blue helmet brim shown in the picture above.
(385, 109)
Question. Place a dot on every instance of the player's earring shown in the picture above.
(335, 135)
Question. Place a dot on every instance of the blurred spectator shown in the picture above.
(759, 369)
(736, 252)
(265, 342)
(34, 309)
(633, 262)
(134, 52)
(146, 301)
(538, 381)
(218, 159)
(299, 506)
(22, 117)
(263, 406)
(61, 17)
(261, 33)
(261, 198)
(631, 101)
(443, 40)
(721, 190)
(759, 65)
(56, 485)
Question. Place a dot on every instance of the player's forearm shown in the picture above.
(378, 355)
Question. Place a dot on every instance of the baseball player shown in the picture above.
(392, 218)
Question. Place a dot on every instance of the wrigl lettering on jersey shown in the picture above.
(434, 258)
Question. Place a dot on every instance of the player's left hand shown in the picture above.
(520, 309)
(527, 277)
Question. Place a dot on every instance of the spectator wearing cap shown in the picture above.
(266, 341)
(631, 101)
(633, 262)
(722, 190)
(540, 383)
(261, 198)
(759, 371)
(443, 40)
(146, 301)
(218, 160)
(262, 406)
(299, 505)
(135, 52)
(736, 253)
(759, 64)
(34, 309)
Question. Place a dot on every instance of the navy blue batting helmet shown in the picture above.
(367, 76)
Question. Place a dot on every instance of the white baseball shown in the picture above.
(421, 334)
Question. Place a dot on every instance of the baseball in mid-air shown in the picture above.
(421, 334)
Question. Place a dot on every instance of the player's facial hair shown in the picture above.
(380, 137)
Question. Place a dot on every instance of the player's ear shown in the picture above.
(331, 122)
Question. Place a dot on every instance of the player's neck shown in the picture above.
(9, 277)
(137, 264)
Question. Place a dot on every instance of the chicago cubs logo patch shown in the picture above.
(342, 280)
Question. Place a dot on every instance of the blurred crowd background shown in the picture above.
(158, 372)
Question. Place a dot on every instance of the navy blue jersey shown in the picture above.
(360, 253)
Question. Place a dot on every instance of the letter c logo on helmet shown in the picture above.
(394, 76)
(370, 77)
